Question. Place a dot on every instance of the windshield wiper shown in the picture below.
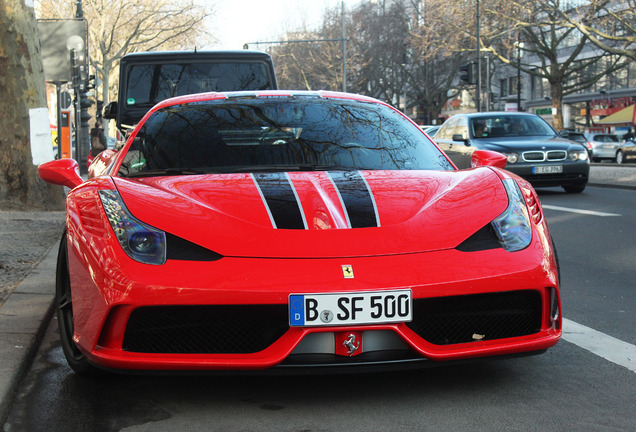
(167, 172)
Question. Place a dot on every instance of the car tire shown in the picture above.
(574, 188)
(64, 307)
(620, 157)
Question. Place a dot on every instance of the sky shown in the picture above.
(242, 21)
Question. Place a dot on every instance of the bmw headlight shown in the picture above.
(141, 242)
(513, 225)
(576, 155)
(512, 157)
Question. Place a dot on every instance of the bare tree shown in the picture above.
(552, 50)
(441, 39)
(22, 89)
(119, 27)
(612, 27)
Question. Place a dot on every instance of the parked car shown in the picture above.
(626, 152)
(602, 146)
(534, 150)
(255, 230)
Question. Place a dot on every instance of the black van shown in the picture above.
(150, 77)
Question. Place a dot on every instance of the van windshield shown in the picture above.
(149, 84)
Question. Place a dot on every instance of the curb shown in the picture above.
(613, 186)
(24, 318)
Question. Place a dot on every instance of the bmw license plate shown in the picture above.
(336, 309)
(547, 169)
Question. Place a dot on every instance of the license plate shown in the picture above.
(548, 169)
(336, 309)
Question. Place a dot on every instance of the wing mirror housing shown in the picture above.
(488, 158)
(63, 172)
(110, 111)
(460, 137)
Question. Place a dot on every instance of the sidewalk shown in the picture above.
(28, 252)
(612, 175)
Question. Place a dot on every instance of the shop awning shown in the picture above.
(626, 115)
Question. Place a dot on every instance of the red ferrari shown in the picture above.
(292, 230)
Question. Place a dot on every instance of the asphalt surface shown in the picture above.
(28, 252)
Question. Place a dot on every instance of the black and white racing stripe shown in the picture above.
(285, 209)
(281, 200)
(356, 199)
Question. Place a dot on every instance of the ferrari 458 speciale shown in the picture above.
(286, 230)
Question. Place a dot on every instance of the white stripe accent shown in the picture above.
(300, 205)
(375, 207)
(344, 209)
(260, 192)
(585, 212)
(608, 347)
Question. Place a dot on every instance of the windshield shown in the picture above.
(152, 83)
(500, 126)
(278, 134)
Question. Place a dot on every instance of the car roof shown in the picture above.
(495, 114)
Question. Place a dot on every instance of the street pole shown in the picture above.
(478, 63)
(82, 139)
(344, 50)
(519, 72)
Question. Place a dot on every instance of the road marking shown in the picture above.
(608, 347)
(586, 212)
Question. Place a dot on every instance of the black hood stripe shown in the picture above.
(281, 200)
(356, 198)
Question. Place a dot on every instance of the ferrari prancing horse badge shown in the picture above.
(347, 271)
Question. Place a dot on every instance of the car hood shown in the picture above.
(319, 214)
(517, 144)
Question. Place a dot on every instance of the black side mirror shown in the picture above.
(460, 137)
(110, 111)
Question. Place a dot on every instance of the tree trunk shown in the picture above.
(22, 88)
(556, 90)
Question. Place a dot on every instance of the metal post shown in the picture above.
(76, 90)
(58, 95)
(478, 91)
(344, 51)
(519, 72)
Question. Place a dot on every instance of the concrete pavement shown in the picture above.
(26, 313)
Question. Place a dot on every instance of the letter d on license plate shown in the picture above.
(335, 309)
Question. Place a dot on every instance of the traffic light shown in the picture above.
(91, 82)
(466, 73)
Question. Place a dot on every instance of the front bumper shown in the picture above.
(109, 290)
(574, 173)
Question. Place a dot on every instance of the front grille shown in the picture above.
(217, 329)
(557, 155)
(460, 319)
(541, 156)
(534, 156)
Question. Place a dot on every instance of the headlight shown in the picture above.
(513, 225)
(141, 242)
(512, 157)
(575, 155)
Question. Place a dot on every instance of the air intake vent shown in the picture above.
(216, 329)
(461, 319)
